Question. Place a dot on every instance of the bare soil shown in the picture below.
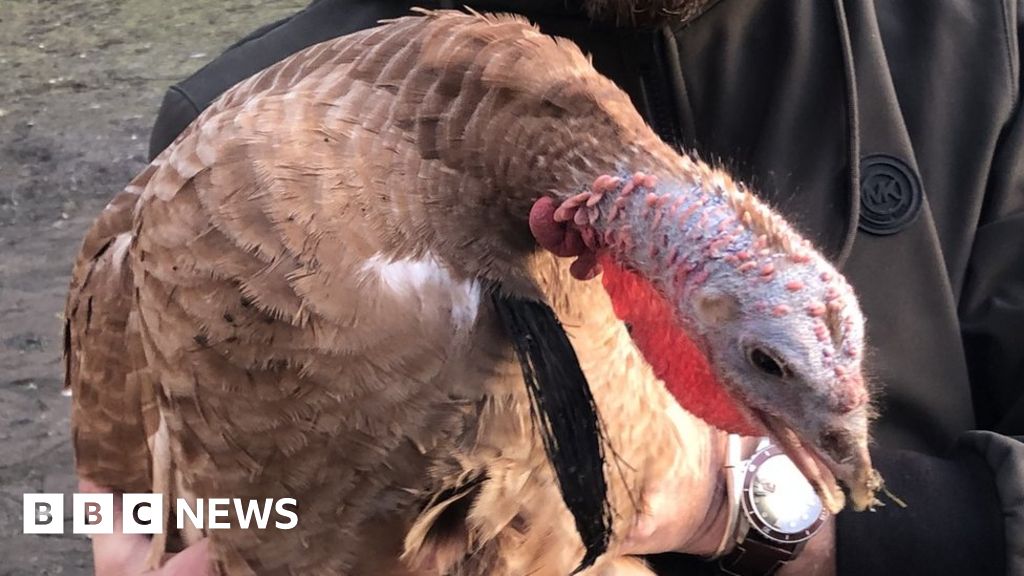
(80, 83)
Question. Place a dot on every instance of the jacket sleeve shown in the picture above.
(964, 513)
(177, 111)
(320, 21)
(179, 108)
(992, 300)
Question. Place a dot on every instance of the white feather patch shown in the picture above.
(119, 249)
(407, 277)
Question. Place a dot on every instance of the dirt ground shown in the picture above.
(80, 83)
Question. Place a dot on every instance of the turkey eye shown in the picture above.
(767, 363)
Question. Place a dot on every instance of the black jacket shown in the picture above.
(891, 133)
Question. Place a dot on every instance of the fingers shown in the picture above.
(192, 561)
(115, 554)
(621, 566)
(120, 554)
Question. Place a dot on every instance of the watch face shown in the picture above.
(779, 501)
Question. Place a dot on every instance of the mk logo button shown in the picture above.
(890, 195)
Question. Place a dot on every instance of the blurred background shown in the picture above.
(80, 84)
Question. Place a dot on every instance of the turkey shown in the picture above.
(439, 282)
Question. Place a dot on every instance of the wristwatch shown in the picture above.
(774, 510)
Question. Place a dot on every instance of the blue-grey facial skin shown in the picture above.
(781, 328)
(772, 358)
(738, 293)
(805, 374)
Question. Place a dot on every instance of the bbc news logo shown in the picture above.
(143, 513)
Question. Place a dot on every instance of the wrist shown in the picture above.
(716, 521)
(717, 534)
(780, 531)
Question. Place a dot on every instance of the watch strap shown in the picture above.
(757, 556)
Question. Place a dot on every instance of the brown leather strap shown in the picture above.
(756, 556)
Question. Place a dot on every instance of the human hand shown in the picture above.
(686, 510)
(683, 498)
(120, 554)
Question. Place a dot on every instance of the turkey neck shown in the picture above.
(514, 148)
(487, 119)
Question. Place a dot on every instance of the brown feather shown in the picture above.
(114, 409)
(265, 294)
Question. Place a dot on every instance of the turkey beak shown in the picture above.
(831, 453)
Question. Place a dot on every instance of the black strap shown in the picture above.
(757, 556)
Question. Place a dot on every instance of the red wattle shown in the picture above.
(564, 239)
(672, 354)
(557, 237)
